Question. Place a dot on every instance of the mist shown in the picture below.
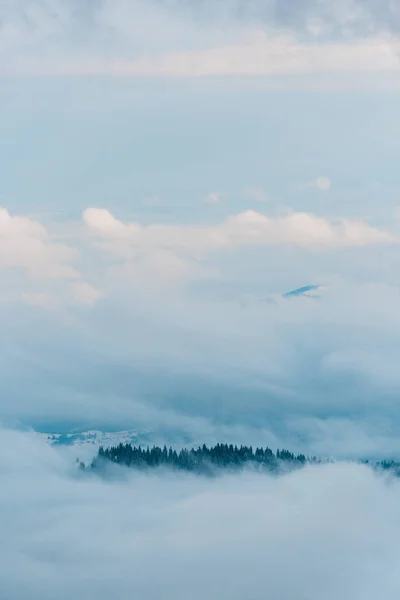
(323, 532)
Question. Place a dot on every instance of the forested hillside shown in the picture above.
(214, 459)
(203, 459)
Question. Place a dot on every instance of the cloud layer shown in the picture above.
(183, 330)
(312, 534)
(196, 40)
(248, 228)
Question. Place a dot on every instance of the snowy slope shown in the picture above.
(84, 445)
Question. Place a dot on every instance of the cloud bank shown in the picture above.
(193, 39)
(248, 228)
(311, 534)
(183, 330)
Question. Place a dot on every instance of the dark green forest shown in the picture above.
(203, 459)
(211, 460)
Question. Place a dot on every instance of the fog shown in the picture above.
(328, 532)
(316, 375)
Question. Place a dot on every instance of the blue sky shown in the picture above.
(70, 143)
(168, 173)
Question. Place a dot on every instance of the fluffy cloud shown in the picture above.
(165, 255)
(250, 228)
(299, 228)
(104, 223)
(42, 270)
(323, 532)
(25, 243)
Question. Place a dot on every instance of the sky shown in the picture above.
(169, 170)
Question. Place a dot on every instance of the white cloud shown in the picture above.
(54, 38)
(324, 532)
(304, 229)
(165, 255)
(26, 244)
(249, 228)
(45, 268)
(321, 183)
(104, 223)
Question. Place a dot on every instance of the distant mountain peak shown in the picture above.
(306, 290)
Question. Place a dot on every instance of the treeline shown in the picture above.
(210, 460)
(385, 465)
(203, 459)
